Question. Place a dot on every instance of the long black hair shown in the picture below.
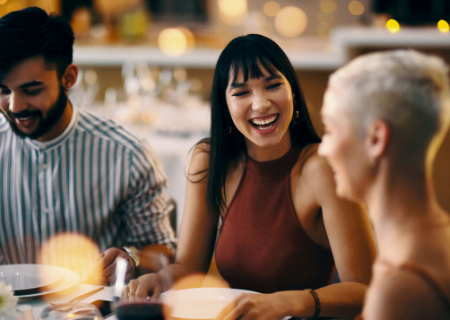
(247, 53)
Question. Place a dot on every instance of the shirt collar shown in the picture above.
(56, 141)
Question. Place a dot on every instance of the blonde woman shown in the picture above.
(385, 116)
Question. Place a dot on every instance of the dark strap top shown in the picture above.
(262, 245)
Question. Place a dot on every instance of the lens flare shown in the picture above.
(271, 8)
(74, 252)
(291, 21)
(443, 26)
(175, 41)
(393, 26)
(356, 8)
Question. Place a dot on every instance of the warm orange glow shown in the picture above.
(199, 281)
(3, 2)
(393, 26)
(291, 21)
(328, 6)
(13, 6)
(356, 8)
(271, 8)
(443, 26)
(233, 8)
(175, 41)
(74, 252)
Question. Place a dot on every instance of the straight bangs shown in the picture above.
(251, 62)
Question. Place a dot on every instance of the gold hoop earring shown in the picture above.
(296, 117)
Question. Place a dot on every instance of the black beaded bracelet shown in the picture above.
(316, 299)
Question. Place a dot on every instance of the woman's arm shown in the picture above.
(197, 232)
(351, 239)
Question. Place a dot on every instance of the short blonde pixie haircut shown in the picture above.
(407, 89)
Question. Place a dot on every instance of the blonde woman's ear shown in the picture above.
(377, 139)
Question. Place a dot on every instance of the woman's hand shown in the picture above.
(247, 306)
(143, 287)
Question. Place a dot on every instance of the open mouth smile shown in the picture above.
(264, 124)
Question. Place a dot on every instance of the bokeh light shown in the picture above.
(443, 26)
(175, 41)
(291, 21)
(233, 8)
(393, 26)
(356, 8)
(2, 2)
(328, 6)
(74, 252)
(271, 8)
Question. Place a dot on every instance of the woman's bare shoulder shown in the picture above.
(311, 166)
(403, 294)
(199, 161)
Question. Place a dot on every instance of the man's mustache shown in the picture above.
(25, 114)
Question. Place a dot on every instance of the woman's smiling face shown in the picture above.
(262, 109)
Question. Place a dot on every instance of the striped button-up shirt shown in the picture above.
(95, 179)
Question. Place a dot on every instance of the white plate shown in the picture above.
(28, 276)
(199, 303)
(68, 279)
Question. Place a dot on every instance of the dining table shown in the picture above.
(40, 303)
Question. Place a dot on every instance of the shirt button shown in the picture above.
(45, 211)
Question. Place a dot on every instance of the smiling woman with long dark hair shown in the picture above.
(258, 186)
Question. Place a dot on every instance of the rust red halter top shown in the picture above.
(262, 245)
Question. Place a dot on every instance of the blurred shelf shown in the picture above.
(197, 58)
(344, 39)
(304, 53)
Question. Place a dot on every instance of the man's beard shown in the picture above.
(45, 124)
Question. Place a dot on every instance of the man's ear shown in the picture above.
(70, 76)
(377, 139)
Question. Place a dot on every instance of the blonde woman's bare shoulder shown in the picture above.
(403, 295)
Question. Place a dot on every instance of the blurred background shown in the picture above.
(149, 63)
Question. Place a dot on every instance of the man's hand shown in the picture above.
(106, 266)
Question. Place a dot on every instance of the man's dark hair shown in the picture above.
(32, 32)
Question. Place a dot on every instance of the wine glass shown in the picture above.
(152, 308)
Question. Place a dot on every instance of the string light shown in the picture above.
(393, 26)
(443, 26)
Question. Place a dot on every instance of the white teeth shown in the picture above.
(259, 122)
(24, 119)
